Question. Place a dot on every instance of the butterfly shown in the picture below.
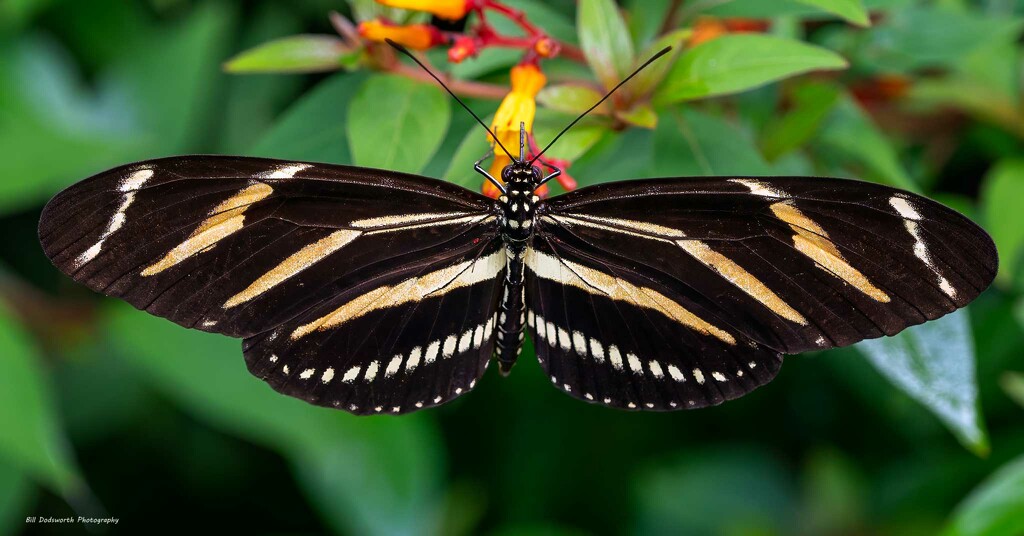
(374, 291)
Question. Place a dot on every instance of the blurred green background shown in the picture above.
(105, 411)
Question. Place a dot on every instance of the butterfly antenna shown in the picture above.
(403, 50)
(661, 53)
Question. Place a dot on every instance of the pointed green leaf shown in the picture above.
(738, 62)
(32, 438)
(1002, 193)
(934, 364)
(572, 98)
(396, 123)
(605, 40)
(648, 79)
(995, 507)
(641, 115)
(850, 10)
(295, 54)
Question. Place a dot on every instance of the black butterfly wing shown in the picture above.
(779, 265)
(243, 246)
(608, 334)
(413, 338)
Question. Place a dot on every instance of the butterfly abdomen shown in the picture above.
(511, 314)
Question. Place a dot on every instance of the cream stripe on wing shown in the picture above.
(811, 240)
(601, 284)
(402, 219)
(700, 251)
(227, 218)
(297, 262)
(735, 274)
(413, 289)
(128, 187)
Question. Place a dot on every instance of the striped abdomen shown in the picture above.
(511, 314)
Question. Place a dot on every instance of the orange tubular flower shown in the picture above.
(446, 9)
(518, 106)
(417, 36)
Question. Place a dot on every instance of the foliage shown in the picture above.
(102, 405)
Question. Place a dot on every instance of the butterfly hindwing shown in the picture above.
(402, 341)
(609, 335)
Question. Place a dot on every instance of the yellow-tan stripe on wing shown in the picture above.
(414, 289)
(295, 263)
(396, 220)
(811, 240)
(599, 283)
(735, 274)
(722, 265)
(224, 220)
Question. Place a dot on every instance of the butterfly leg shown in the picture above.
(482, 171)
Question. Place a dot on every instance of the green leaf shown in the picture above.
(811, 104)
(648, 79)
(605, 40)
(32, 438)
(395, 123)
(354, 469)
(296, 54)
(738, 62)
(574, 143)
(572, 98)
(641, 115)
(851, 136)
(994, 508)
(472, 148)
(313, 128)
(692, 143)
(934, 364)
(850, 10)
(1002, 192)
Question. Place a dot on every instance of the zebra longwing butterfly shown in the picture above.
(375, 291)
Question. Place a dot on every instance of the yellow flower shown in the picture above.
(417, 36)
(446, 9)
(518, 106)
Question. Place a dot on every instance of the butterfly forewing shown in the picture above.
(260, 248)
(701, 284)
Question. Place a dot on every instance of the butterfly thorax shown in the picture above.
(517, 206)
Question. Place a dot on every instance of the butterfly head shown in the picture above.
(521, 175)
